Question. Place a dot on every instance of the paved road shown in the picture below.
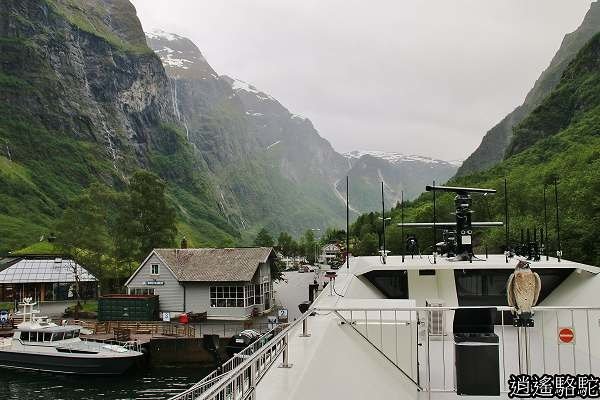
(294, 292)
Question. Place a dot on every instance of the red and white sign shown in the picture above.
(566, 335)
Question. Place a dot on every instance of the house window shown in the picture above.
(249, 300)
(231, 296)
(258, 294)
(154, 269)
(141, 291)
(266, 291)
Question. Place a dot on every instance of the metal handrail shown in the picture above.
(364, 317)
(235, 360)
(230, 378)
(419, 308)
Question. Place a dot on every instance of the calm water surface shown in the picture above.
(154, 384)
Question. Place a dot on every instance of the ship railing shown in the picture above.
(238, 378)
(237, 358)
(419, 341)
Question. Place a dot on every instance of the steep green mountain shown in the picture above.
(273, 167)
(494, 144)
(560, 138)
(83, 100)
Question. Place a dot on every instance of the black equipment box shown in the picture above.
(476, 352)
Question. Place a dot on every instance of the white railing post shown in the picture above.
(305, 328)
(285, 363)
(252, 381)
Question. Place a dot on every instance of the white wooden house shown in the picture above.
(229, 283)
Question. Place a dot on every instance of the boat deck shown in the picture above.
(361, 361)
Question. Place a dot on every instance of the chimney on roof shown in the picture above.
(184, 243)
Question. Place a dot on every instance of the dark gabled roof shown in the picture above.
(215, 265)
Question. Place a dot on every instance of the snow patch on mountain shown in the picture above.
(238, 85)
(176, 53)
(160, 34)
(397, 158)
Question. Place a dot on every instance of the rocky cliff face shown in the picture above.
(494, 144)
(95, 91)
(85, 100)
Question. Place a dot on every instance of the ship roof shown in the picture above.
(362, 265)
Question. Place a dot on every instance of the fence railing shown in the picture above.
(425, 354)
(142, 327)
(238, 358)
(237, 379)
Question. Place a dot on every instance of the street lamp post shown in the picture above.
(315, 230)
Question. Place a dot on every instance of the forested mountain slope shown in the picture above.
(559, 139)
(494, 144)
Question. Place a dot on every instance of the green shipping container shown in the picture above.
(125, 307)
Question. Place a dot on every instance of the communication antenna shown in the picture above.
(402, 220)
(559, 249)
(545, 225)
(434, 231)
(383, 255)
(529, 252)
(506, 222)
(347, 224)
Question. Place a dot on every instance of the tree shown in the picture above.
(82, 235)
(286, 244)
(368, 245)
(333, 235)
(308, 245)
(394, 239)
(153, 216)
(264, 239)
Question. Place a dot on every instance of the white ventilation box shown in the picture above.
(435, 322)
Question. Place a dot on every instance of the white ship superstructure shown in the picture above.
(362, 344)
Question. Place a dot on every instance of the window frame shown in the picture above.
(157, 269)
(231, 296)
(142, 291)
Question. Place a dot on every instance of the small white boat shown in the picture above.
(41, 345)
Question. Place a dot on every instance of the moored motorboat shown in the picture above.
(41, 345)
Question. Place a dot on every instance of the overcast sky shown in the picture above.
(410, 76)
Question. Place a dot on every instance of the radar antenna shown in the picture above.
(458, 235)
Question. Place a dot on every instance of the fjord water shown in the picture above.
(154, 384)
